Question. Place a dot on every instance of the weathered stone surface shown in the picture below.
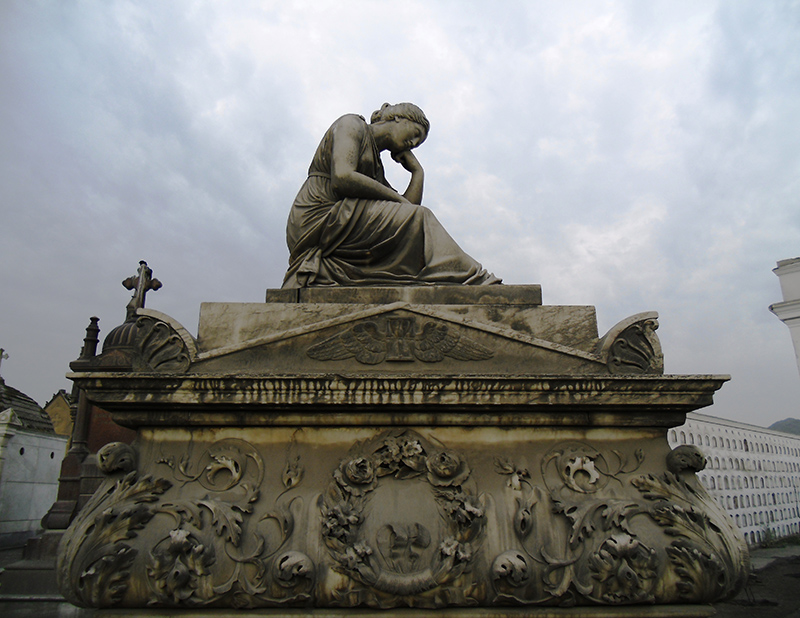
(332, 455)
(151, 399)
(409, 338)
(416, 294)
(637, 611)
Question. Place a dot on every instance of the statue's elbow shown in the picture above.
(340, 185)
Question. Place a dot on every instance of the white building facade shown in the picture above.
(752, 472)
(30, 461)
(788, 271)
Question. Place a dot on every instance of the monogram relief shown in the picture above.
(403, 524)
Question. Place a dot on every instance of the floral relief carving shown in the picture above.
(401, 524)
(584, 538)
(179, 569)
(211, 530)
(419, 561)
(193, 541)
(577, 540)
(625, 570)
(518, 474)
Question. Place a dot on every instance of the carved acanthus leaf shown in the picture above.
(100, 562)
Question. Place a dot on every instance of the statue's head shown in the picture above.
(409, 111)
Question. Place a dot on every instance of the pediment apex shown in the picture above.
(9, 417)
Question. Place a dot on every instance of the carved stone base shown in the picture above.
(639, 611)
(485, 492)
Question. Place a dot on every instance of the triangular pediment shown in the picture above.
(418, 336)
(9, 417)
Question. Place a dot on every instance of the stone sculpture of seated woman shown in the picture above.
(348, 226)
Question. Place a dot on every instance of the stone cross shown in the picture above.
(140, 284)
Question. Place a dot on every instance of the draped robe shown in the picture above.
(339, 240)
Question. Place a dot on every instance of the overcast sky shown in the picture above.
(632, 155)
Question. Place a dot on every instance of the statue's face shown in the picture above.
(405, 135)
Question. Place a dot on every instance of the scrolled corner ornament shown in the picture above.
(161, 348)
(632, 346)
(420, 552)
(707, 553)
(97, 554)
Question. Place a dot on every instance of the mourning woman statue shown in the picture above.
(348, 226)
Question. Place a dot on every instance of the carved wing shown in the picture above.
(363, 341)
(437, 341)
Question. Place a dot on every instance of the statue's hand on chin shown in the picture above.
(408, 160)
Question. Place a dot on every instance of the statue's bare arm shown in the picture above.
(409, 162)
(346, 181)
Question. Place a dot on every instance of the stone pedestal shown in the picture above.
(410, 451)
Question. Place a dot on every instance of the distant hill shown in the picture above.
(787, 425)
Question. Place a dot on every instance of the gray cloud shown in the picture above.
(629, 155)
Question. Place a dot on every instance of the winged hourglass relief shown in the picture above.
(399, 339)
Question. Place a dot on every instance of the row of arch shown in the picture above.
(762, 518)
(754, 537)
(738, 463)
(741, 444)
(734, 502)
(754, 476)
(746, 482)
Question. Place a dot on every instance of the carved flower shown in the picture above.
(179, 541)
(178, 568)
(389, 456)
(625, 569)
(357, 476)
(459, 552)
(413, 455)
(463, 507)
(447, 470)
(340, 522)
(355, 555)
(518, 474)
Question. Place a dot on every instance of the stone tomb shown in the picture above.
(415, 451)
